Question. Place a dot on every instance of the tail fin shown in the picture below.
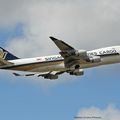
(4, 54)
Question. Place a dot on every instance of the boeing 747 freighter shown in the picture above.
(69, 60)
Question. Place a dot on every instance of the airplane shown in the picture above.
(69, 60)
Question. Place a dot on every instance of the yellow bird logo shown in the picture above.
(2, 54)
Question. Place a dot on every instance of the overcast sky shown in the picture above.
(82, 23)
(25, 27)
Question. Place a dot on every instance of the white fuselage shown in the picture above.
(109, 55)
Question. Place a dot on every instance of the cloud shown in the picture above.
(110, 113)
(77, 22)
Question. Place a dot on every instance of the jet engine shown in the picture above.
(50, 76)
(81, 53)
(77, 72)
(77, 53)
(94, 59)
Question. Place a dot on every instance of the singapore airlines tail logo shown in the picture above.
(3, 54)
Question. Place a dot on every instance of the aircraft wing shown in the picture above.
(71, 56)
(62, 45)
(47, 75)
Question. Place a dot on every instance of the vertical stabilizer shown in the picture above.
(4, 54)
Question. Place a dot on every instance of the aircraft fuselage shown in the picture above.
(108, 55)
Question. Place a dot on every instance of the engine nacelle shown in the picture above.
(94, 59)
(52, 77)
(81, 53)
(77, 72)
(78, 53)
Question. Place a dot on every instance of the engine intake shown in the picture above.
(77, 72)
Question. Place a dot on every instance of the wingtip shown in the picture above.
(53, 38)
(16, 74)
